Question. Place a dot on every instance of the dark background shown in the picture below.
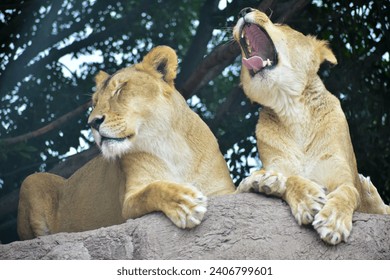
(44, 100)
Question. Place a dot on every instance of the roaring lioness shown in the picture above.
(302, 134)
(158, 155)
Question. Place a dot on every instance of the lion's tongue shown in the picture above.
(254, 63)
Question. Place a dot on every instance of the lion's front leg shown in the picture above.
(334, 221)
(184, 205)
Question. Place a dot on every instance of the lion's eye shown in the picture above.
(119, 88)
(118, 91)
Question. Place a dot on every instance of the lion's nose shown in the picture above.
(244, 12)
(96, 122)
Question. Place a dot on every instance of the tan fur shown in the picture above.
(303, 137)
(168, 159)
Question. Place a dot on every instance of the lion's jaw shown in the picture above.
(111, 145)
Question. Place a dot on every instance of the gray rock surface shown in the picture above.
(243, 226)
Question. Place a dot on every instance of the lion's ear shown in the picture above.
(163, 59)
(324, 52)
(101, 77)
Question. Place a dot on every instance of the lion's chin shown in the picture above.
(115, 149)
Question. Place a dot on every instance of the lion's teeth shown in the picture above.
(267, 62)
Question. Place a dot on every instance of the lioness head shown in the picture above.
(275, 57)
(128, 103)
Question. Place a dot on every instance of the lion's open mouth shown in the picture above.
(260, 52)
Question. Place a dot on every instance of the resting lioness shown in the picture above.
(302, 134)
(158, 155)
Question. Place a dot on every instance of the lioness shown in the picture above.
(158, 155)
(302, 134)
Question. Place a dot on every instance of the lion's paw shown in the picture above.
(305, 197)
(333, 224)
(187, 207)
(268, 182)
(308, 206)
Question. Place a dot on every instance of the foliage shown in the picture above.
(51, 50)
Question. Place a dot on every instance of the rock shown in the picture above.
(243, 226)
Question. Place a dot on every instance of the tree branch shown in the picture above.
(49, 127)
(291, 8)
(198, 45)
(221, 56)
